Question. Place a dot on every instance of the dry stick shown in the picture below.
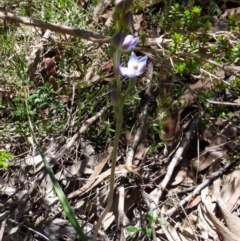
(72, 141)
(234, 70)
(154, 236)
(157, 193)
(94, 37)
(222, 103)
(34, 231)
(120, 224)
(88, 35)
(198, 189)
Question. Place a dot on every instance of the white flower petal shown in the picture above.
(141, 65)
(127, 72)
(123, 71)
(133, 61)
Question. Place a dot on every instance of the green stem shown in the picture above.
(119, 121)
(131, 85)
(62, 198)
(116, 60)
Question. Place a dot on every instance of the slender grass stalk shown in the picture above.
(62, 198)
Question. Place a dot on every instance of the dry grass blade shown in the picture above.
(96, 172)
(2, 228)
(174, 235)
(179, 140)
(121, 169)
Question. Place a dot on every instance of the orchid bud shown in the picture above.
(128, 5)
(129, 43)
(119, 6)
(127, 19)
(118, 39)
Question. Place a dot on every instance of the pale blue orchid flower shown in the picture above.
(124, 43)
(129, 43)
(135, 66)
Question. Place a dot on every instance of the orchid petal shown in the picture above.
(129, 43)
(133, 61)
(123, 71)
(126, 72)
(142, 65)
(133, 43)
(135, 66)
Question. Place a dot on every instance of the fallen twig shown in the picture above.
(198, 189)
(91, 36)
(222, 103)
(87, 35)
(157, 193)
(34, 231)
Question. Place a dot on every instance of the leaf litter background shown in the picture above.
(193, 180)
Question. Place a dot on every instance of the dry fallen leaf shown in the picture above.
(223, 231)
(230, 190)
(94, 174)
(214, 153)
(83, 3)
(204, 224)
(121, 169)
(173, 235)
(189, 95)
(99, 9)
(232, 222)
(180, 174)
(49, 66)
(194, 202)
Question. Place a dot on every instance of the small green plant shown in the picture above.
(233, 23)
(44, 108)
(148, 228)
(180, 68)
(143, 38)
(4, 157)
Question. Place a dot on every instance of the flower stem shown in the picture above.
(116, 60)
(131, 85)
(119, 121)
